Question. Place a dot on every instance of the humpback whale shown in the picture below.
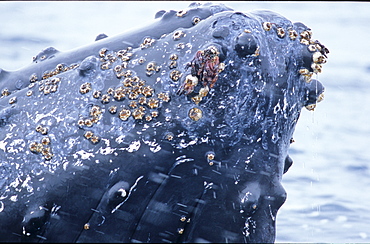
(175, 132)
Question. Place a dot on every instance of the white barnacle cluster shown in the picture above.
(132, 98)
(44, 146)
(318, 50)
(314, 53)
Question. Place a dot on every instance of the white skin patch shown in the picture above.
(134, 146)
(83, 154)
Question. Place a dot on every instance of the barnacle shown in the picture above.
(59, 67)
(304, 41)
(124, 114)
(48, 156)
(204, 91)
(153, 103)
(45, 140)
(81, 122)
(195, 20)
(105, 65)
(141, 60)
(127, 82)
(142, 100)
(110, 91)
(292, 34)
(151, 68)
(196, 99)
(88, 134)
(169, 136)
(189, 84)
(280, 32)
(96, 94)
(147, 91)
(118, 68)
(318, 58)
(105, 99)
(29, 93)
(94, 139)
(172, 64)
(35, 147)
(311, 47)
(306, 74)
(311, 107)
(317, 68)
(306, 34)
(5, 92)
(38, 128)
(95, 110)
(33, 78)
(181, 13)
(86, 226)
(266, 26)
(44, 131)
(148, 118)
(147, 42)
(164, 97)
(195, 114)
(45, 151)
(102, 52)
(178, 34)
(138, 114)
(133, 95)
(136, 89)
(47, 89)
(12, 100)
(119, 94)
(210, 156)
(175, 75)
(53, 88)
(88, 122)
(154, 114)
(174, 56)
(85, 88)
(133, 104)
(112, 109)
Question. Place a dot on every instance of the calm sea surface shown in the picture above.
(329, 183)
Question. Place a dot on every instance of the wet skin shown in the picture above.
(151, 137)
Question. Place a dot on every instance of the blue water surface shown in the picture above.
(329, 183)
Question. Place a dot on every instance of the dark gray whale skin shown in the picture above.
(175, 169)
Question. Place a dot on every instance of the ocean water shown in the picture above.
(328, 185)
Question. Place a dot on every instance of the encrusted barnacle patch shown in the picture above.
(43, 146)
(205, 67)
